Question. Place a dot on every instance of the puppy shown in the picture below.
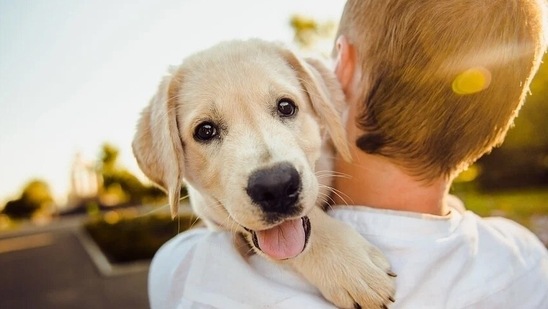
(250, 128)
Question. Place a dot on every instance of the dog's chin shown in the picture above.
(283, 241)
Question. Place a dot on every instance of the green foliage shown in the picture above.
(119, 185)
(531, 126)
(36, 196)
(308, 31)
(135, 238)
(108, 158)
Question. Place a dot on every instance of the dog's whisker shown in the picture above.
(328, 171)
(324, 202)
(194, 222)
(182, 198)
(250, 250)
(161, 207)
(229, 223)
(325, 174)
(155, 210)
(233, 225)
(326, 199)
(342, 196)
(319, 177)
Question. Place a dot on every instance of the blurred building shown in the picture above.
(84, 182)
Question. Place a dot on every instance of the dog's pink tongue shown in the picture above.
(283, 241)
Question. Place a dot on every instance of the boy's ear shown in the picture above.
(345, 64)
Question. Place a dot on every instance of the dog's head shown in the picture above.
(242, 123)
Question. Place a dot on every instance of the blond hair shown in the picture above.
(442, 80)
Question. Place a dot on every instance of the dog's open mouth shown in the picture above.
(285, 240)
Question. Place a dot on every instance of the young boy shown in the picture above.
(431, 85)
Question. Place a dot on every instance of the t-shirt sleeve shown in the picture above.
(161, 276)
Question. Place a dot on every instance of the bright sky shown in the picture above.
(76, 73)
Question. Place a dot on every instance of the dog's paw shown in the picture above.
(348, 270)
(360, 278)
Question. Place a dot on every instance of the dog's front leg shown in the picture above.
(349, 271)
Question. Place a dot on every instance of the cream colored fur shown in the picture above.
(237, 85)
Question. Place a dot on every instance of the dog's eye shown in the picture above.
(205, 131)
(286, 108)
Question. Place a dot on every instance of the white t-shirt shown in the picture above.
(455, 261)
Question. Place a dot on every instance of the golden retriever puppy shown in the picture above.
(250, 128)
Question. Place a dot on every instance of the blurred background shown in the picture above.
(78, 220)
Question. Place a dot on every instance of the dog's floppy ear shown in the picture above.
(325, 95)
(157, 145)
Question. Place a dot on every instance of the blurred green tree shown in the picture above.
(310, 34)
(531, 126)
(36, 196)
(119, 186)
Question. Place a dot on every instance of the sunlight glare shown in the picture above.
(472, 81)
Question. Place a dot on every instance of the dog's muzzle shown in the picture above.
(285, 240)
(275, 189)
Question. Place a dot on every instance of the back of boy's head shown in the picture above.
(442, 79)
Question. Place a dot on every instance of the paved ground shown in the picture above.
(51, 269)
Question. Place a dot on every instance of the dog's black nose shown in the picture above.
(275, 189)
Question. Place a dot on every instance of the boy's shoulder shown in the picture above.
(508, 264)
(498, 233)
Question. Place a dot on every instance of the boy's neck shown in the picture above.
(374, 181)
